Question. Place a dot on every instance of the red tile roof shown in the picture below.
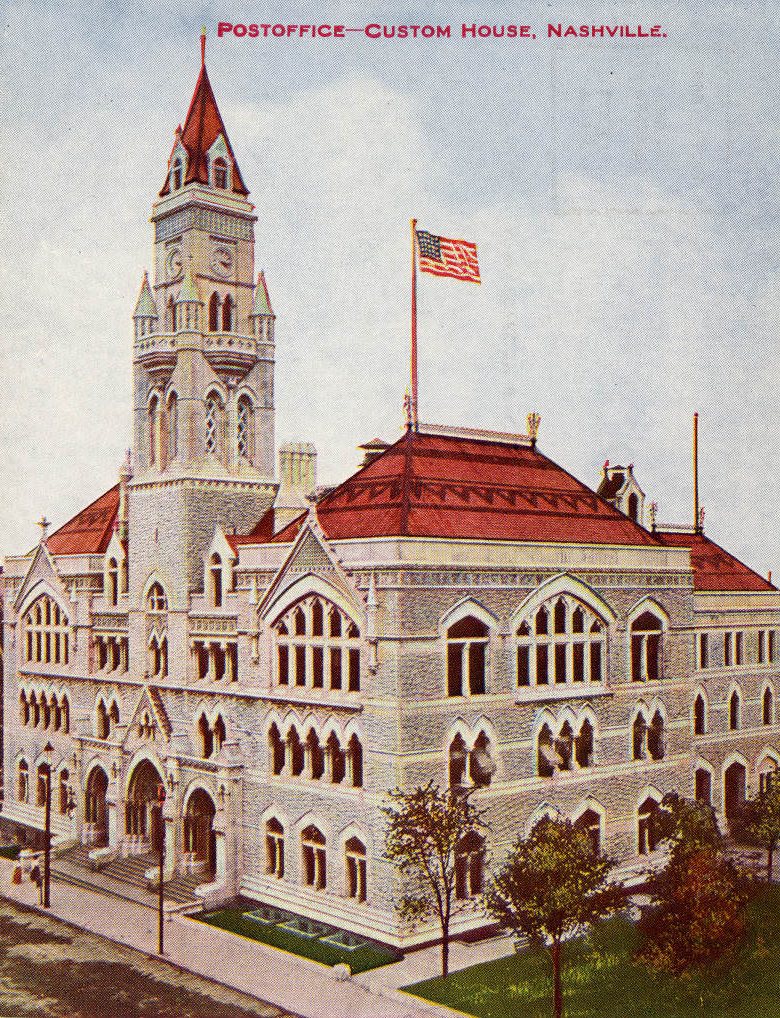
(261, 533)
(713, 567)
(202, 126)
(89, 532)
(433, 485)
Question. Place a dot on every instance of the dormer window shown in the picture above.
(177, 175)
(220, 174)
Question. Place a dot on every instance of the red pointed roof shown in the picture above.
(437, 485)
(89, 532)
(202, 126)
(714, 568)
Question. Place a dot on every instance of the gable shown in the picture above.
(41, 573)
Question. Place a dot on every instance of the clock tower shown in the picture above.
(203, 359)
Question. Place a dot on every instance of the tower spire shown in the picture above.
(203, 46)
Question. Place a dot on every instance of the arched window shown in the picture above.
(295, 753)
(65, 714)
(206, 738)
(220, 174)
(35, 710)
(215, 424)
(590, 825)
(24, 708)
(639, 737)
(633, 506)
(274, 848)
(647, 826)
(311, 653)
(112, 574)
(355, 757)
(768, 707)
(177, 175)
(23, 782)
(355, 860)
(215, 574)
(64, 792)
(337, 759)
(276, 747)
(45, 628)
(220, 734)
(458, 757)
(470, 866)
(702, 785)
(45, 712)
(156, 599)
(735, 711)
(244, 436)
(467, 644)
(564, 745)
(699, 715)
(228, 316)
(583, 745)
(43, 786)
(102, 726)
(655, 737)
(214, 309)
(313, 858)
(481, 764)
(54, 711)
(562, 643)
(173, 426)
(315, 754)
(154, 430)
(113, 714)
(646, 633)
(546, 757)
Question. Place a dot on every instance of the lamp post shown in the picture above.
(161, 846)
(48, 749)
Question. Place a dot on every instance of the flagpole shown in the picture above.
(413, 408)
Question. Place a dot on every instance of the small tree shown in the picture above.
(688, 825)
(758, 822)
(551, 887)
(697, 915)
(425, 830)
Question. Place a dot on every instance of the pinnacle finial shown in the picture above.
(44, 524)
(203, 46)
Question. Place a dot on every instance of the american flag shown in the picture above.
(442, 256)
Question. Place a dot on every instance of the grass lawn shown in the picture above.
(361, 959)
(601, 981)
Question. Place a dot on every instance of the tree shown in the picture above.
(758, 822)
(427, 830)
(688, 825)
(551, 887)
(697, 914)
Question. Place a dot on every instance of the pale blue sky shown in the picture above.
(623, 196)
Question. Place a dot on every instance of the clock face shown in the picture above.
(173, 263)
(222, 261)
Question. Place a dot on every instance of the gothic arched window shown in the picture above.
(228, 317)
(590, 824)
(177, 175)
(215, 423)
(546, 757)
(214, 306)
(313, 857)
(470, 866)
(647, 826)
(154, 429)
(173, 426)
(215, 574)
(564, 642)
(274, 848)
(156, 599)
(220, 174)
(23, 781)
(735, 711)
(768, 707)
(317, 645)
(244, 421)
(646, 633)
(467, 644)
(699, 715)
(45, 628)
(355, 861)
(113, 581)
(276, 746)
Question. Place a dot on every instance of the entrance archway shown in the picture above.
(199, 836)
(95, 814)
(734, 789)
(142, 814)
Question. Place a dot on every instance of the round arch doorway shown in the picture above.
(200, 841)
(142, 812)
(95, 813)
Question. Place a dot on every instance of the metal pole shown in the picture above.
(160, 913)
(413, 408)
(48, 750)
(696, 521)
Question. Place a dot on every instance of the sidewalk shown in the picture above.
(301, 986)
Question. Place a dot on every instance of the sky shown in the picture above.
(622, 194)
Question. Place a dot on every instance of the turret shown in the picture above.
(145, 314)
(187, 317)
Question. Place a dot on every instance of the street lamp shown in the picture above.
(48, 749)
(161, 847)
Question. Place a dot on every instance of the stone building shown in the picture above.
(461, 609)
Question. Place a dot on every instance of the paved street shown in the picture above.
(50, 970)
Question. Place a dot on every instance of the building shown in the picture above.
(461, 609)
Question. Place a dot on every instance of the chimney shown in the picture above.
(297, 481)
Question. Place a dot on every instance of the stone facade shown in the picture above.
(277, 687)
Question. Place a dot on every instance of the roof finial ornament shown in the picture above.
(203, 46)
(44, 524)
(653, 513)
(533, 420)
